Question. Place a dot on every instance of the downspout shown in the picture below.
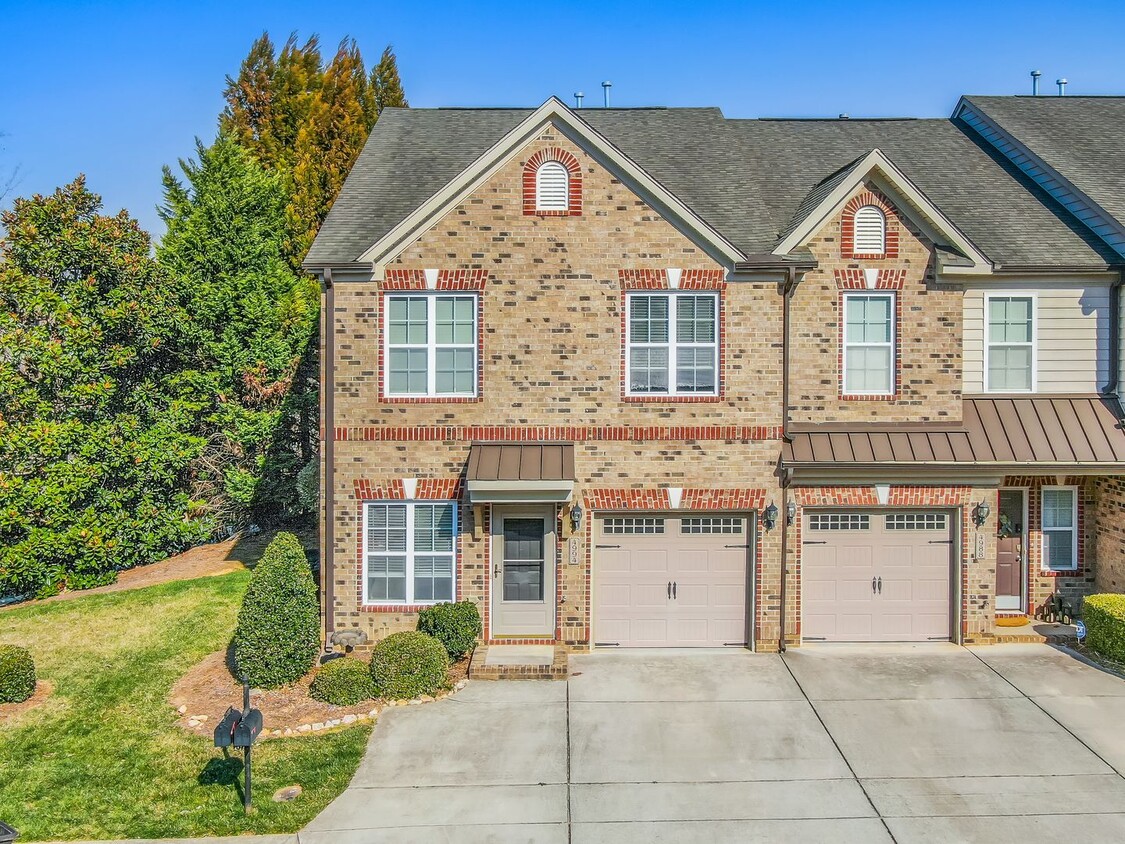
(328, 440)
(1111, 386)
(788, 286)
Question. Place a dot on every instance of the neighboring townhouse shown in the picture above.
(608, 372)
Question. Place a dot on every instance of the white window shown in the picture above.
(869, 344)
(870, 231)
(431, 345)
(673, 344)
(1010, 343)
(839, 521)
(633, 524)
(1060, 528)
(552, 187)
(409, 553)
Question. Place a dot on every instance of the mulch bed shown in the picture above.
(202, 696)
(12, 711)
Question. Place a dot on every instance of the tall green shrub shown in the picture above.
(17, 674)
(408, 664)
(278, 632)
(1105, 624)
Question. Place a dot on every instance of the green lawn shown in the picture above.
(103, 758)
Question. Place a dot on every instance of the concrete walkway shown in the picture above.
(829, 743)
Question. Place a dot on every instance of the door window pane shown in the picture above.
(523, 559)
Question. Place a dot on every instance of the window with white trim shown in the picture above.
(409, 552)
(672, 344)
(1010, 343)
(431, 345)
(869, 344)
(552, 187)
(869, 231)
(1060, 528)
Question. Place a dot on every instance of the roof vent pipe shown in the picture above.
(1035, 74)
(578, 95)
(605, 92)
(1062, 86)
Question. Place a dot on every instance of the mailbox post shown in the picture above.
(241, 729)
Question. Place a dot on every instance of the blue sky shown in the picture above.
(115, 90)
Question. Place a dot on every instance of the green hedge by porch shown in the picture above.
(17, 674)
(1105, 625)
(456, 626)
(409, 664)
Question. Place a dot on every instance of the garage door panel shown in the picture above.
(632, 606)
(908, 551)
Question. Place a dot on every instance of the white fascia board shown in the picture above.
(510, 146)
(519, 492)
(875, 162)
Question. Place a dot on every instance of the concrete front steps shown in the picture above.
(519, 662)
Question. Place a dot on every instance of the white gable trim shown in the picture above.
(876, 163)
(509, 146)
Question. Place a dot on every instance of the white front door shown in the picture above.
(523, 571)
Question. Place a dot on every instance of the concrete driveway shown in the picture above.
(829, 743)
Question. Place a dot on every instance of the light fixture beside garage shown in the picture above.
(769, 517)
(980, 513)
(790, 512)
(576, 516)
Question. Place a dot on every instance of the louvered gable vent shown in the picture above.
(870, 231)
(552, 187)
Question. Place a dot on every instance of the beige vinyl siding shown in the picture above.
(1072, 334)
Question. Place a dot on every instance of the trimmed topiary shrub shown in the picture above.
(17, 674)
(1105, 625)
(343, 682)
(278, 632)
(456, 626)
(408, 664)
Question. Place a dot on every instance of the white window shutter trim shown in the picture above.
(870, 235)
(552, 187)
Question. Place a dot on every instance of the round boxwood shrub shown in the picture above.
(278, 632)
(17, 674)
(343, 682)
(456, 626)
(408, 664)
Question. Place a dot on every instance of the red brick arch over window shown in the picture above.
(574, 171)
(847, 226)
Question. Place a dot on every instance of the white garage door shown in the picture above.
(664, 581)
(876, 576)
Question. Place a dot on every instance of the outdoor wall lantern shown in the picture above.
(980, 513)
(576, 516)
(769, 518)
(790, 513)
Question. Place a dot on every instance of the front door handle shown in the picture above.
(880, 586)
(669, 590)
(673, 589)
(873, 586)
(496, 571)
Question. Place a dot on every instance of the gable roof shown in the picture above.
(830, 194)
(1080, 141)
(747, 180)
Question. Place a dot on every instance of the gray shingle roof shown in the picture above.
(1083, 138)
(749, 179)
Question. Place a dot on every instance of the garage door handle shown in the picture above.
(880, 586)
(669, 590)
(673, 589)
(607, 546)
(873, 586)
(736, 546)
(815, 542)
(941, 541)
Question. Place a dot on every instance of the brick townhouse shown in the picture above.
(608, 373)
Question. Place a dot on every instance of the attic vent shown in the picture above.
(552, 187)
(870, 231)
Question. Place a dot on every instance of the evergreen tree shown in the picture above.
(253, 321)
(386, 85)
(95, 426)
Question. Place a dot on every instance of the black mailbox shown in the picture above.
(225, 729)
(7, 834)
(247, 728)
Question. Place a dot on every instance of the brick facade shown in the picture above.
(928, 339)
(552, 314)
